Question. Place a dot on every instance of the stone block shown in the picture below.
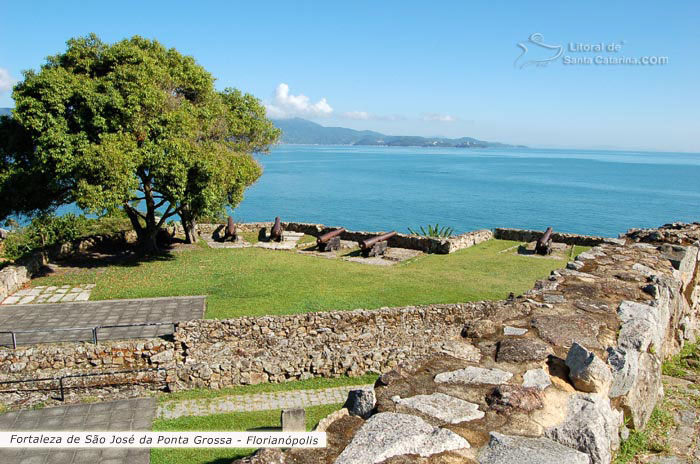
(474, 375)
(505, 449)
(518, 350)
(443, 407)
(294, 420)
(587, 372)
(386, 435)
(536, 378)
(360, 403)
(591, 426)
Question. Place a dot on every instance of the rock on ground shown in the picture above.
(443, 407)
(536, 378)
(507, 449)
(474, 375)
(591, 426)
(518, 350)
(588, 372)
(388, 434)
(360, 403)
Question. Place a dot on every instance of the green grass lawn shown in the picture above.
(238, 422)
(295, 385)
(253, 281)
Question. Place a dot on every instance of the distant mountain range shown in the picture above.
(303, 132)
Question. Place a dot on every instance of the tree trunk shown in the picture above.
(149, 243)
(147, 236)
(189, 224)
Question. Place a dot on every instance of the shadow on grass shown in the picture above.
(356, 253)
(100, 257)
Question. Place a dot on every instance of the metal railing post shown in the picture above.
(14, 341)
(94, 335)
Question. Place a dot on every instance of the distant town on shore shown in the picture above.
(303, 132)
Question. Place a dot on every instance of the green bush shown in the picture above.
(434, 231)
(48, 229)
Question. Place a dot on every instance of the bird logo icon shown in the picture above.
(536, 42)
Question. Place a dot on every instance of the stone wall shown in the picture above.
(251, 350)
(554, 375)
(525, 235)
(412, 242)
(557, 371)
(57, 359)
(676, 233)
(12, 278)
(117, 369)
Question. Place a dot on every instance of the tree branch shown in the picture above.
(168, 213)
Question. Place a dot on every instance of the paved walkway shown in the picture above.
(50, 294)
(123, 415)
(42, 318)
(257, 402)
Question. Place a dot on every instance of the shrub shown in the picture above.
(434, 231)
(48, 229)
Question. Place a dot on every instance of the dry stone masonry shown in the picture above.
(587, 366)
(411, 242)
(553, 375)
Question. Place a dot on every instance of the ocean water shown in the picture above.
(382, 188)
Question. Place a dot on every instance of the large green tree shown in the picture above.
(130, 125)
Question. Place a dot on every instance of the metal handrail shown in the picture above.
(94, 330)
(70, 376)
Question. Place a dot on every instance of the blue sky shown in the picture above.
(425, 68)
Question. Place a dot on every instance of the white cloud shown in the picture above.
(286, 105)
(363, 115)
(6, 81)
(439, 117)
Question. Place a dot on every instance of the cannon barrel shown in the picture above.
(276, 232)
(329, 235)
(230, 227)
(544, 243)
(545, 237)
(370, 242)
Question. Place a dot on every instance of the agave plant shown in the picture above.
(433, 231)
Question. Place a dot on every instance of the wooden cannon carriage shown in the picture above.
(330, 241)
(376, 246)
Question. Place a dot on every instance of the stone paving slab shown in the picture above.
(392, 256)
(236, 244)
(257, 402)
(85, 315)
(289, 241)
(50, 294)
(122, 415)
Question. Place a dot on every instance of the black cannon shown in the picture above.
(544, 244)
(330, 241)
(276, 232)
(230, 231)
(376, 246)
